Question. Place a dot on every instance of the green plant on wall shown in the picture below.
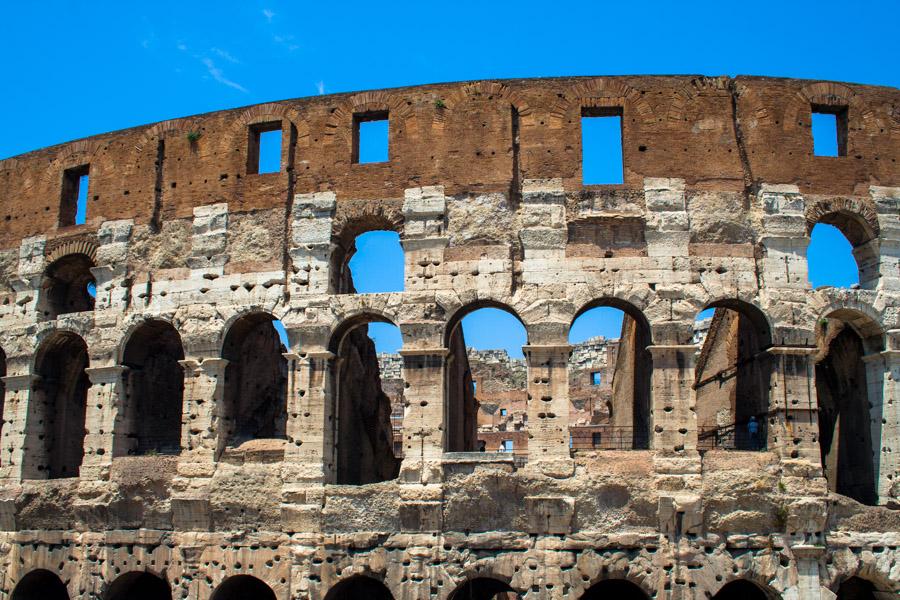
(439, 103)
(193, 136)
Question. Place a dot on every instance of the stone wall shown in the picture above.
(484, 186)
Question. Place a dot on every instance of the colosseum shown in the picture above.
(161, 442)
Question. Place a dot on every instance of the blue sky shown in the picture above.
(79, 68)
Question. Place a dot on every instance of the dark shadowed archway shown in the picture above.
(40, 585)
(359, 587)
(138, 586)
(483, 588)
(741, 589)
(857, 588)
(243, 587)
(614, 589)
(66, 286)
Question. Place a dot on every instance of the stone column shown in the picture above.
(423, 421)
(102, 420)
(792, 428)
(882, 375)
(673, 401)
(886, 249)
(204, 388)
(112, 257)
(310, 429)
(548, 402)
(17, 436)
(424, 212)
(311, 248)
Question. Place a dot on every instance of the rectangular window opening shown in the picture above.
(502, 412)
(506, 446)
(601, 146)
(264, 148)
(370, 138)
(595, 378)
(829, 130)
(596, 439)
(73, 204)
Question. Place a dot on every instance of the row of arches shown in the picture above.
(45, 585)
(732, 385)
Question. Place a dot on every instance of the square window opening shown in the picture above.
(371, 132)
(829, 130)
(502, 412)
(264, 148)
(506, 446)
(73, 204)
(601, 146)
(595, 378)
(596, 439)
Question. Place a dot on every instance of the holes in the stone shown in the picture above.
(371, 137)
(73, 202)
(601, 146)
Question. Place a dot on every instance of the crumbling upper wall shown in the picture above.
(488, 136)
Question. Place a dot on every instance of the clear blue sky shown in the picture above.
(79, 68)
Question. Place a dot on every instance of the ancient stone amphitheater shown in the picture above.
(158, 441)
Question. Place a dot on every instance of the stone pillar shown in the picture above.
(673, 401)
(886, 249)
(112, 258)
(16, 423)
(423, 421)
(27, 282)
(882, 375)
(424, 212)
(548, 402)
(204, 388)
(310, 430)
(311, 225)
(102, 420)
(793, 409)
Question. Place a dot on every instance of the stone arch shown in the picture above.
(58, 249)
(621, 589)
(241, 587)
(482, 587)
(254, 404)
(850, 392)
(456, 317)
(290, 119)
(856, 588)
(857, 220)
(40, 584)
(64, 286)
(159, 132)
(682, 100)
(602, 93)
(745, 589)
(138, 585)
(359, 587)
(732, 377)
(630, 420)
(72, 155)
(339, 126)
(354, 218)
(360, 411)
(56, 425)
(154, 389)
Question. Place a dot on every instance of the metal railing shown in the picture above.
(734, 436)
(608, 437)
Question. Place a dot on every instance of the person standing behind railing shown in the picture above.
(753, 431)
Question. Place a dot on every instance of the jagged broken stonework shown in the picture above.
(157, 439)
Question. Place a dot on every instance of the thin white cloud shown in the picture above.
(224, 54)
(320, 87)
(268, 14)
(286, 40)
(181, 46)
(216, 73)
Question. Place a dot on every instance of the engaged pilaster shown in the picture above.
(311, 223)
(102, 420)
(548, 401)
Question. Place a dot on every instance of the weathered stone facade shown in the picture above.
(266, 495)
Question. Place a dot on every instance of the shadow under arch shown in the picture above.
(359, 587)
(255, 398)
(40, 584)
(138, 585)
(848, 373)
(243, 587)
(64, 287)
(858, 588)
(483, 588)
(620, 589)
(629, 408)
(360, 410)
(744, 589)
(57, 427)
(154, 385)
(461, 406)
(732, 376)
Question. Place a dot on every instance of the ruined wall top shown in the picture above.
(716, 133)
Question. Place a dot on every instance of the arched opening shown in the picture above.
(610, 369)
(741, 589)
(255, 399)
(365, 400)
(138, 586)
(243, 587)
(856, 588)
(841, 252)
(620, 589)
(848, 389)
(154, 390)
(40, 585)
(67, 286)
(367, 258)
(732, 376)
(486, 381)
(483, 588)
(58, 417)
(359, 587)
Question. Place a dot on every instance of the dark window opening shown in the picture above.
(621, 589)
(741, 589)
(857, 588)
(73, 204)
(154, 388)
(264, 148)
(483, 588)
(240, 587)
(601, 146)
(829, 130)
(356, 587)
(371, 137)
(40, 585)
(596, 378)
(68, 286)
(139, 586)
(596, 439)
